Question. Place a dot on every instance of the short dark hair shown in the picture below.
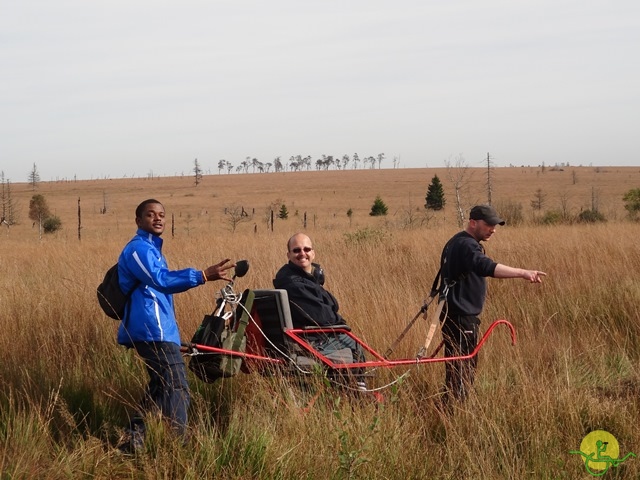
(140, 208)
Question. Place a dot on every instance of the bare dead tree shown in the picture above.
(412, 216)
(459, 175)
(489, 181)
(197, 172)
(79, 221)
(564, 204)
(104, 203)
(539, 200)
(7, 204)
(3, 221)
(235, 215)
(34, 177)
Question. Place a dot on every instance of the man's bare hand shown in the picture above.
(217, 271)
(534, 276)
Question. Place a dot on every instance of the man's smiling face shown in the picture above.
(152, 219)
(301, 252)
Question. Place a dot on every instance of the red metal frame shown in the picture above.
(206, 348)
(297, 335)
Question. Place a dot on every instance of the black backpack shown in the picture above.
(214, 332)
(111, 299)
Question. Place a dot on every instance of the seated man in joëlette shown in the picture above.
(314, 306)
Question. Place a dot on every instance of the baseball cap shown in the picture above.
(486, 213)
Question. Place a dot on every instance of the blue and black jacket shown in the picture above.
(150, 315)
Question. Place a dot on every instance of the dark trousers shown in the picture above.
(168, 390)
(328, 344)
(460, 334)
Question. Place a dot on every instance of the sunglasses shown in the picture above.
(298, 249)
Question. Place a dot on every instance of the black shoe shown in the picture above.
(132, 444)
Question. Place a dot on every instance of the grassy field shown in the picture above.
(66, 386)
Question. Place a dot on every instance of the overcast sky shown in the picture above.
(117, 88)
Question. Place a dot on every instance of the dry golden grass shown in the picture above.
(324, 196)
(66, 385)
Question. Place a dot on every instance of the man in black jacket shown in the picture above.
(465, 267)
(311, 304)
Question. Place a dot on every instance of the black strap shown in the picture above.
(445, 283)
(127, 307)
(434, 287)
(248, 295)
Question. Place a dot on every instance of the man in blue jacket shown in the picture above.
(464, 266)
(149, 324)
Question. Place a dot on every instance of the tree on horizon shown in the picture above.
(8, 206)
(34, 177)
(284, 212)
(435, 195)
(39, 211)
(379, 208)
(197, 171)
